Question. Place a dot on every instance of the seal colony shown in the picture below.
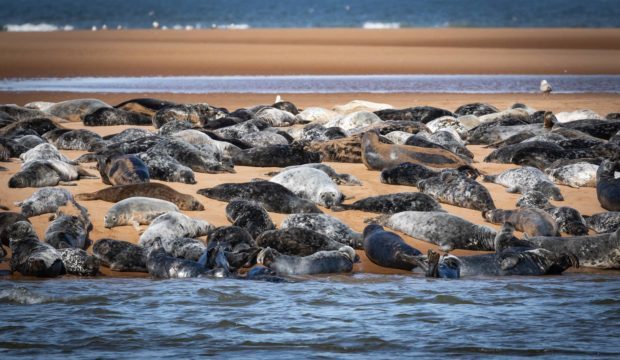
(291, 224)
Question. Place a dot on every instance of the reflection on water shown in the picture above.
(321, 84)
(574, 315)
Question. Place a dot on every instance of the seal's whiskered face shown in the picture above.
(449, 267)
(349, 253)
(489, 215)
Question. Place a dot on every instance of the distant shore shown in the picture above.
(310, 51)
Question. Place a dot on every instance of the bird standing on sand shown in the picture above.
(545, 87)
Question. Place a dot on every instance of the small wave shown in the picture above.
(380, 25)
(42, 27)
(20, 295)
(231, 26)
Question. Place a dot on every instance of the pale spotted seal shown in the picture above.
(525, 179)
(393, 203)
(607, 186)
(311, 184)
(30, 256)
(322, 262)
(531, 221)
(136, 211)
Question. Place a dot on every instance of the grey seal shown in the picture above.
(69, 230)
(77, 109)
(310, 184)
(44, 151)
(569, 220)
(340, 179)
(45, 200)
(387, 249)
(250, 216)
(326, 225)
(607, 186)
(422, 114)
(393, 203)
(123, 170)
(81, 139)
(173, 225)
(113, 116)
(164, 167)
(30, 256)
(322, 262)
(452, 187)
(144, 106)
(445, 230)
(7, 219)
(120, 255)
(531, 221)
(274, 197)
(276, 156)
(136, 211)
(41, 173)
(539, 154)
(525, 179)
(152, 190)
(79, 262)
(297, 241)
(192, 156)
(605, 222)
(409, 173)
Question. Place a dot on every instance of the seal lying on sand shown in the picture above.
(569, 220)
(274, 197)
(122, 170)
(454, 188)
(322, 262)
(44, 201)
(326, 225)
(145, 106)
(389, 250)
(120, 255)
(531, 221)
(408, 173)
(250, 216)
(604, 222)
(136, 211)
(173, 225)
(7, 219)
(393, 203)
(607, 186)
(311, 184)
(297, 241)
(443, 229)
(340, 179)
(79, 262)
(378, 156)
(276, 156)
(30, 256)
(151, 190)
(41, 173)
(44, 151)
(526, 179)
(69, 231)
(112, 116)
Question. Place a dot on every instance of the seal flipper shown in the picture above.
(512, 190)
(509, 261)
(433, 264)
(67, 183)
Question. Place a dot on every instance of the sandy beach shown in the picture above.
(317, 51)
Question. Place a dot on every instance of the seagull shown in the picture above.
(278, 99)
(545, 87)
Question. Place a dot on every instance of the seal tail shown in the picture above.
(489, 178)
(380, 220)
(341, 207)
(86, 196)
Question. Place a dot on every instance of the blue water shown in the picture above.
(384, 316)
(319, 84)
(80, 14)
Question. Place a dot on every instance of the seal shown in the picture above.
(393, 203)
(311, 184)
(35, 126)
(297, 241)
(446, 140)
(144, 106)
(476, 109)
(274, 197)
(79, 262)
(525, 179)
(136, 211)
(162, 266)
(250, 216)
(355, 120)
(378, 156)
(164, 167)
(322, 262)
(151, 190)
(568, 219)
(598, 251)
(340, 179)
(69, 229)
(604, 222)
(113, 116)
(574, 175)
(123, 170)
(318, 132)
(44, 152)
(76, 110)
(538, 154)
(360, 105)
(607, 186)
(197, 114)
(234, 244)
(185, 248)
(29, 141)
(510, 259)
(318, 115)
(387, 249)
(276, 156)
(276, 117)
(127, 135)
(81, 139)
(326, 225)
(6, 220)
(41, 173)
(198, 138)
(44, 201)
(531, 221)
(29, 256)
(192, 157)
(173, 225)
(120, 255)
(454, 188)
(445, 230)
(410, 174)
(603, 129)
(422, 114)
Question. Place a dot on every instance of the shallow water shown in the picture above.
(574, 315)
(320, 84)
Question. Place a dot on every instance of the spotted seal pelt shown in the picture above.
(276, 117)
(29, 141)
(164, 167)
(422, 114)
(250, 216)
(30, 256)
(599, 128)
(7, 219)
(569, 220)
(322, 262)
(378, 156)
(297, 241)
(35, 126)
(70, 228)
(163, 266)
(276, 156)
(538, 154)
(80, 139)
(454, 188)
(41, 173)
(531, 221)
(198, 114)
(198, 138)
(136, 211)
(393, 203)
(192, 157)
(274, 197)
(44, 151)
(448, 141)
(525, 179)
(597, 251)
(120, 255)
(440, 228)
(128, 135)
(152, 190)
(123, 170)
(510, 258)
(607, 186)
(311, 184)
(77, 109)
(326, 225)
(45, 200)
(172, 225)
(318, 132)
(605, 222)
(235, 244)
(476, 109)
(113, 116)
(354, 120)
(574, 175)
(451, 125)
(408, 173)
(387, 249)
(340, 179)
(79, 262)
(185, 248)
(145, 106)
